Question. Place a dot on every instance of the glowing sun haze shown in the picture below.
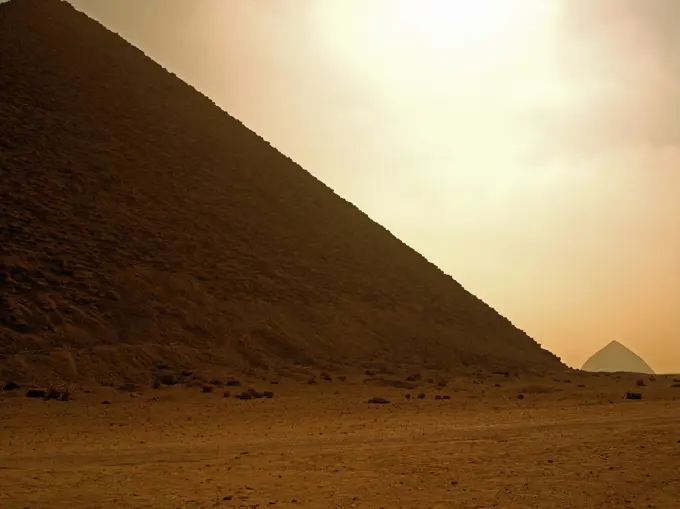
(530, 148)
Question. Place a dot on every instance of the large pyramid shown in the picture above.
(615, 357)
(141, 225)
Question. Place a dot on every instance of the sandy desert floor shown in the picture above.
(568, 444)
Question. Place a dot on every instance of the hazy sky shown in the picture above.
(530, 148)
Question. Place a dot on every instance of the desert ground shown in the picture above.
(572, 441)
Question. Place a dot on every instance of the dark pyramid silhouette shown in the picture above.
(616, 357)
(141, 225)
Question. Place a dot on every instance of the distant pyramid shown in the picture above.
(616, 357)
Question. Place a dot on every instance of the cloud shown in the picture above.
(625, 57)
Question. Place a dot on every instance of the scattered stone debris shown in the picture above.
(378, 401)
(11, 386)
(369, 372)
(581, 386)
(506, 374)
(421, 395)
(207, 388)
(255, 394)
(311, 381)
(36, 393)
(520, 396)
(156, 384)
(438, 396)
(128, 387)
(106, 402)
(416, 377)
(326, 376)
(342, 378)
(446, 396)
(496, 385)
(640, 383)
(251, 394)
(52, 393)
(227, 394)
(567, 381)
(169, 379)
(186, 373)
(442, 383)
(407, 395)
(232, 383)
(633, 395)
(398, 384)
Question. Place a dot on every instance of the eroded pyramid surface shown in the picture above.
(141, 225)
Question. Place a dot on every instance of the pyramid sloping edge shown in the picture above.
(240, 261)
